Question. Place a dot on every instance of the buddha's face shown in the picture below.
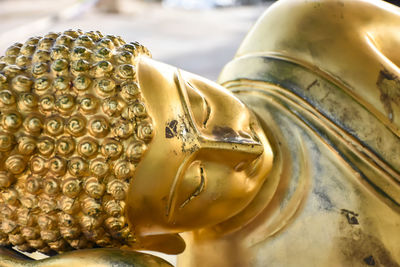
(206, 161)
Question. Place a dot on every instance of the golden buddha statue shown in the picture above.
(106, 151)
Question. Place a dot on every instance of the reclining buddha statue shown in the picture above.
(293, 160)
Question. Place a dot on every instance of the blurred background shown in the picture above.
(200, 36)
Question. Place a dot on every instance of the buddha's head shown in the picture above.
(99, 143)
(206, 161)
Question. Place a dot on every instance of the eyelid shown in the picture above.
(198, 189)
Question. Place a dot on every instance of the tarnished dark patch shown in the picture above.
(225, 132)
(389, 87)
(171, 129)
(350, 216)
(314, 83)
(324, 200)
(369, 260)
(359, 247)
(180, 129)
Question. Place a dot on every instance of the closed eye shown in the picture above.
(198, 189)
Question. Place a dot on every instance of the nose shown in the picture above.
(245, 147)
(241, 155)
